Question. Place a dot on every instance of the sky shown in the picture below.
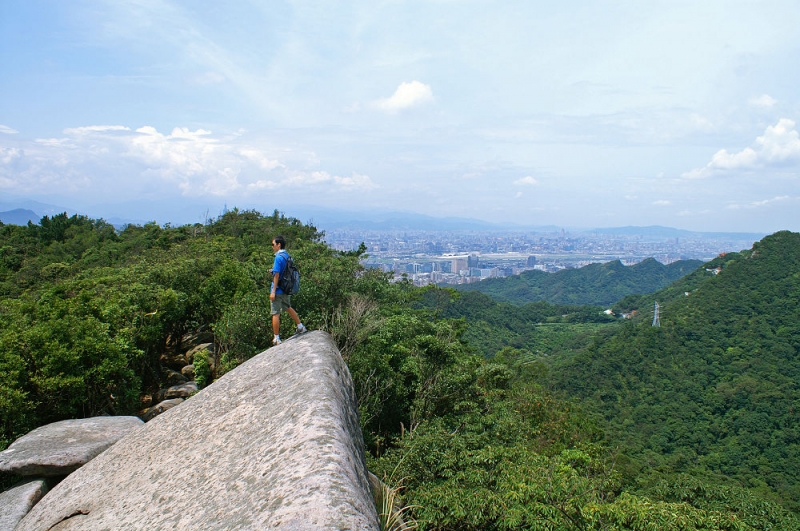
(578, 113)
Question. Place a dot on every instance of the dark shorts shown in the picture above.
(280, 304)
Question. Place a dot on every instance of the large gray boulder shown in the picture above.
(274, 444)
(18, 500)
(59, 448)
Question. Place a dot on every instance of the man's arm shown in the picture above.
(275, 278)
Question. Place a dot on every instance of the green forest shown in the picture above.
(484, 415)
(594, 284)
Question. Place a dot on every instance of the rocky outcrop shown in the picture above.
(178, 372)
(60, 448)
(273, 444)
(178, 391)
(18, 500)
(152, 412)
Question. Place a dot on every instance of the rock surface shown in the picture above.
(152, 412)
(59, 448)
(178, 391)
(188, 371)
(273, 444)
(174, 377)
(18, 500)
(206, 348)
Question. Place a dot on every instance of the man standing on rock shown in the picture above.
(280, 301)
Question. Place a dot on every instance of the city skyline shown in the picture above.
(580, 114)
(463, 257)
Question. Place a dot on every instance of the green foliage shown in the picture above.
(202, 370)
(594, 284)
(508, 460)
(392, 514)
(245, 327)
(86, 313)
(740, 503)
(713, 391)
(409, 368)
(539, 327)
(66, 353)
(518, 459)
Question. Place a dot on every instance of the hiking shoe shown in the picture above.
(301, 329)
(276, 341)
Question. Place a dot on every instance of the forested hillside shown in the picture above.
(86, 313)
(715, 390)
(594, 284)
(537, 328)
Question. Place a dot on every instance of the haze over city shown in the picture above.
(581, 113)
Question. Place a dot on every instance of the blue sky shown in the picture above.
(575, 113)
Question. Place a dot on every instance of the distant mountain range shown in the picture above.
(19, 216)
(668, 232)
(168, 211)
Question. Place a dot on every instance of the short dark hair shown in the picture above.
(280, 240)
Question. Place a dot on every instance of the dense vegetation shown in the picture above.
(86, 312)
(538, 328)
(715, 390)
(594, 284)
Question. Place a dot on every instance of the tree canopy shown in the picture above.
(687, 426)
(594, 284)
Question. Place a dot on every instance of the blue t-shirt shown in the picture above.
(277, 267)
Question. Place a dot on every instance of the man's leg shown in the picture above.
(301, 329)
(275, 309)
(293, 315)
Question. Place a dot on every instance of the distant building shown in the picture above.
(458, 264)
(531, 261)
(488, 273)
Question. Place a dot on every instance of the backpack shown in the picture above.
(289, 281)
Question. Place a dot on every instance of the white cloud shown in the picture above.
(315, 178)
(765, 101)
(7, 130)
(103, 159)
(406, 96)
(518, 195)
(362, 182)
(7, 155)
(259, 158)
(778, 146)
(758, 204)
(662, 202)
(526, 181)
(52, 142)
(92, 129)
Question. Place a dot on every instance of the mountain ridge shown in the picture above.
(167, 211)
(593, 284)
